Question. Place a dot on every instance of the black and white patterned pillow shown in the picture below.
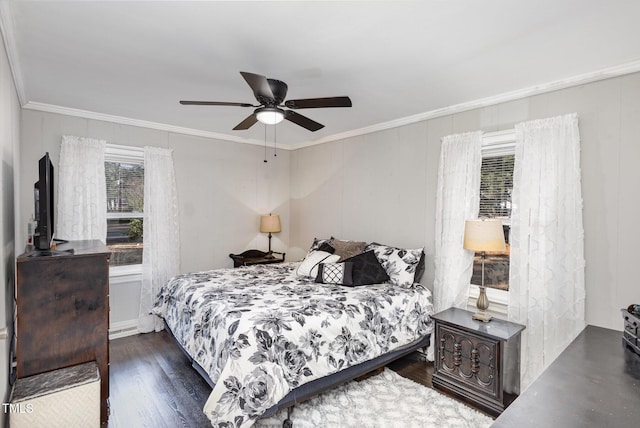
(335, 273)
(317, 243)
(420, 267)
(399, 263)
(327, 248)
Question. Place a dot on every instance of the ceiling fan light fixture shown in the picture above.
(270, 93)
(269, 115)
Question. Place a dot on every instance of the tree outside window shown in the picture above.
(125, 204)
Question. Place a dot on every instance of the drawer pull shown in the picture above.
(475, 361)
(457, 354)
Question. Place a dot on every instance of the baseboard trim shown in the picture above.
(123, 329)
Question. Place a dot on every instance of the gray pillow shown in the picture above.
(346, 249)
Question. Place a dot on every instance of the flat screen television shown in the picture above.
(43, 197)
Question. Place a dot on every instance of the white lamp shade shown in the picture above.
(484, 235)
(269, 116)
(270, 223)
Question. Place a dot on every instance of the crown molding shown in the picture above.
(6, 28)
(50, 108)
(581, 79)
(602, 74)
(8, 34)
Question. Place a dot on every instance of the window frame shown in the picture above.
(495, 144)
(130, 155)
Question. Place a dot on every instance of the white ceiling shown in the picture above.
(395, 59)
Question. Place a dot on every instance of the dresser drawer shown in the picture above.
(470, 359)
(478, 362)
(631, 339)
(630, 326)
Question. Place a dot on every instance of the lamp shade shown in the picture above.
(270, 223)
(484, 235)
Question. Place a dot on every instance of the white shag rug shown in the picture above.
(381, 401)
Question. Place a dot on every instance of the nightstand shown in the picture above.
(478, 362)
(256, 257)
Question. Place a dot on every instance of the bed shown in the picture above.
(266, 337)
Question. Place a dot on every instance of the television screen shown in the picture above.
(43, 197)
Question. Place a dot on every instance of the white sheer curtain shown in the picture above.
(457, 199)
(546, 281)
(161, 251)
(82, 190)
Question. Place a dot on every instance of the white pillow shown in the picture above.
(309, 266)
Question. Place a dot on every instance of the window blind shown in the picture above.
(496, 185)
(124, 170)
(125, 188)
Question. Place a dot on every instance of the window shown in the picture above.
(496, 185)
(124, 170)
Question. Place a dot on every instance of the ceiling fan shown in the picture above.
(270, 93)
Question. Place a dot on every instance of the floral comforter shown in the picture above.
(260, 331)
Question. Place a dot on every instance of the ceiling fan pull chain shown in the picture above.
(265, 144)
(275, 127)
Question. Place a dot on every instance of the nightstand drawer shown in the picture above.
(478, 362)
(467, 358)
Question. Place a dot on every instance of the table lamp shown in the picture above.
(483, 235)
(270, 224)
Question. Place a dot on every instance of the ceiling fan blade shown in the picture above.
(247, 123)
(303, 121)
(260, 86)
(319, 102)
(214, 103)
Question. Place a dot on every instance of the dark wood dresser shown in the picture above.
(595, 382)
(476, 361)
(631, 333)
(63, 312)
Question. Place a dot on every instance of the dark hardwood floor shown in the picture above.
(152, 383)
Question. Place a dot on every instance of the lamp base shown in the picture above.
(482, 303)
(481, 316)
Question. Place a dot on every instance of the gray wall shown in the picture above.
(381, 186)
(9, 143)
(223, 187)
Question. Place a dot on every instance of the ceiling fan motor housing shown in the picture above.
(279, 90)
